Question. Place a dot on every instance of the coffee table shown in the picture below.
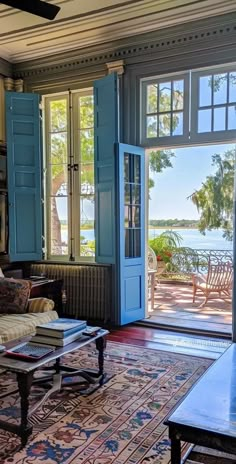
(25, 371)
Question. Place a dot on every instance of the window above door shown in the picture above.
(192, 107)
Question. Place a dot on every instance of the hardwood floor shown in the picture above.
(164, 340)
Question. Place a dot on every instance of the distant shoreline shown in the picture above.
(171, 227)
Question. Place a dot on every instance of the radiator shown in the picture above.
(87, 288)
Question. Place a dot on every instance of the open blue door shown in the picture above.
(131, 232)
(24, 176)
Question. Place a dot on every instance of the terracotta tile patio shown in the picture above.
(173, 306)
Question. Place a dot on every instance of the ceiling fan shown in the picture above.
(36, 7)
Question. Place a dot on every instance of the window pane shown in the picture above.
(136, 243)
(87, 179)
(87, 236)
(232, 87)
(152, 98)
(151, 126)
(220, 89)
(87, 145)
(205, 86)
(135, 216)
(178, 95)
(58, 115)
(232, 117)
(58, 152)
(59, 226)
(164, 96)
(204, 121)
(136, 161)
(86, 111)
(59, 175)
(219, 119)
(164, 125)
(127, 194)
(136, 192)
(177, 124)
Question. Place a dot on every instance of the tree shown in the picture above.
(214, 200)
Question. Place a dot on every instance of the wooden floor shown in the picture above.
(175, 342)
(173, 307)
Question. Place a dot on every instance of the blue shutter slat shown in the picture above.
(24, 176)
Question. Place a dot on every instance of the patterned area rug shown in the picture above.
(120, 423)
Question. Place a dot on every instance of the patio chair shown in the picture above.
(218, 279)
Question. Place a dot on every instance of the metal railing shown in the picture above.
(186, 261)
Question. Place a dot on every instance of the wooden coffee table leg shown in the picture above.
(175, 451)
(101, 345)
(24, 384)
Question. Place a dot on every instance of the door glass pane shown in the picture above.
(59, 226)
(136, 192)
(59, 175)
(126, 167)
(87, 179)
(86, 111)
(152, 98)
(177, 124)
(58, 115)
(87, 236)
(219, 119)
(87, 145)
(220, 89)
(232, 87)
(204, 121)
(232, 117)
(205, 91)
(127, 194)
(135, 216)
(165, 96)
(151, 126)
(178, 95)
(58, 148)
(128, 243)
(164, 124)
(136, 243)
(128, 216)
(136, 160)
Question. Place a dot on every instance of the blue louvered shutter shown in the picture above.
(106, 133)
(24, 176)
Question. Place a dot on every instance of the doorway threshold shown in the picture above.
(222, 331)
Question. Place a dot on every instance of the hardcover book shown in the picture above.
(61, 327)
(47, 340)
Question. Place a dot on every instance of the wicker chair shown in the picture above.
(219, 280)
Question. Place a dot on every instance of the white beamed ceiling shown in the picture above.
(82, 23)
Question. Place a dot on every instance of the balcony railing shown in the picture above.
(186, 261)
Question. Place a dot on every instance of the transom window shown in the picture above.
(69, 162)
(166, 102)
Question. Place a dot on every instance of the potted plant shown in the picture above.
(164, 244)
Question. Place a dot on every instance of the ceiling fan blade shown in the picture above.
(36, 7)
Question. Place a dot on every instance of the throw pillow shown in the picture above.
(14, 295)
(40, 305)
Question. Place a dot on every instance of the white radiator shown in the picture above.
(87, 288)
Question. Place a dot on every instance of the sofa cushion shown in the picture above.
(13, 326)
(14, 295)
(40, 305)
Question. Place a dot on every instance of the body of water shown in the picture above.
(192, 238)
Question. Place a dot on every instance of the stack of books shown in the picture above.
(60, 332)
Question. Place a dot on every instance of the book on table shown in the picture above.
(60, 328)
(54, 341)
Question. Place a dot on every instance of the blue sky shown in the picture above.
(174, 185)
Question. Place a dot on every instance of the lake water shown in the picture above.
(191, 238)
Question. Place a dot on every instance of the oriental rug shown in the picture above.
(121, 423)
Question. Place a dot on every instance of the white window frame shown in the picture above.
(73, 204)
(226, 135)
(170, 140)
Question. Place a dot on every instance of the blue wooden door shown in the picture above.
(106, 134)
(130, 160)
(24, 176)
